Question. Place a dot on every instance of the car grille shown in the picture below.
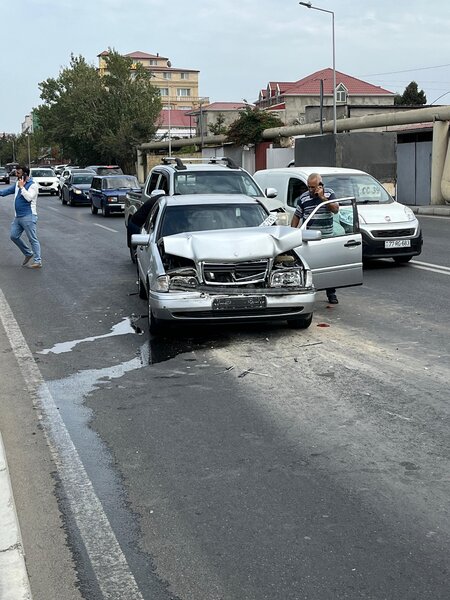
(45, 183)
(387, 233)
(244, 273)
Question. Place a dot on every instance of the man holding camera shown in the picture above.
(323, 218)
(26, 192)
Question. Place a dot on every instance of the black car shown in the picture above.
(4, 175)
(75, 189)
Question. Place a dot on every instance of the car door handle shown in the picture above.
(352, 243)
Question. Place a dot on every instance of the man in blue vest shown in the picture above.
(26, 192)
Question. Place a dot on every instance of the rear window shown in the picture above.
(178, 219)
(216, 182)
(121, 183)
(80, 179)
(108, 170)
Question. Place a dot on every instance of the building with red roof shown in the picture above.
(292, 98)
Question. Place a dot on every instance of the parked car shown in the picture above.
(59, 169)
(216, 258)
(389, 229)
(46, 179)
(107, 193)
(106, 169)
(4, 175)
(76, 187)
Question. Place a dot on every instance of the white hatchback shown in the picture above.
(389, 229)
(46, 180)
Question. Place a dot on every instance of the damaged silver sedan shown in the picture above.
(220, 258)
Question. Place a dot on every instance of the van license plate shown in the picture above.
(397, 244)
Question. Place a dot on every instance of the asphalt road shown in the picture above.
(166, 469)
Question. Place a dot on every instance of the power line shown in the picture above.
(408, 70)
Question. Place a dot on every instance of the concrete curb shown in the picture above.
(14, 583)
(438, 211)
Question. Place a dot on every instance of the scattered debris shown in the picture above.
(323, 325)
(244, 373)
(313, 343)
(226, 370)
(398, 416)
(327, 374)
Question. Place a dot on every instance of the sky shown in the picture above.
(237, 45)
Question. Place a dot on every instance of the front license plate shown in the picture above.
(397, 244)
(241, 303)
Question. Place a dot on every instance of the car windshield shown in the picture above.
(42, 173)
(80, 179)
(2, 170)
(125, 183)
(178, 219)
(216, 182)
(365, 188)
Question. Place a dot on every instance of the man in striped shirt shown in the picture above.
(323, 218)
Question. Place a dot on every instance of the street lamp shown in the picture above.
(330, 12)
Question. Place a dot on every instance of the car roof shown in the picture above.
(197, 167)
(208, 199)
(307, 171)
(115, 176)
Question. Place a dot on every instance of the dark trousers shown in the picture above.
(330, 291)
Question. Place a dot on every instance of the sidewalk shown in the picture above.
(439, 210)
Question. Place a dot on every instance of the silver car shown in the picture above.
(220, 258)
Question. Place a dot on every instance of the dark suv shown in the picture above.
(105, 169)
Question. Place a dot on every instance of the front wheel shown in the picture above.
(155, 326)
(402, 259)
(141, 287)
(105, 211)
(94, 209)
(300, 323)
(63, 200)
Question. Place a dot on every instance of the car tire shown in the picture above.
(141, 288)
(94, 209)
(300, 323)
(131, 248)
(402, 259)
(105, 212)
(63, 200)
(69, 201)
(155, 326)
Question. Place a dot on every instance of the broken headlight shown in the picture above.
(179, 282)
(286, 278)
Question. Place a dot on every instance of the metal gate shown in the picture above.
(414, 173)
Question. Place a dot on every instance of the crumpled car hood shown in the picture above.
(247, 243)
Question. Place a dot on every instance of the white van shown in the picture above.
(389, 229)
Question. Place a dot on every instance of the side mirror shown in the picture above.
(271, 193)
(140, 239)
(310, 235)
(157, 193)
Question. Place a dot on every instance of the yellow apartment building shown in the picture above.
(178, 87)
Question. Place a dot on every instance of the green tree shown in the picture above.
(411, 96)
(99, 119)
(248, 127)
(219, 127)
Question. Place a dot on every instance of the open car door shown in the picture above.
(336, 260)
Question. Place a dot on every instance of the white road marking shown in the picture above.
(424, 264)
(53, 208)
(107, 228)
(431, 268)
(107, 559)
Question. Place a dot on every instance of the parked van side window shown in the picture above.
(296, 187)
